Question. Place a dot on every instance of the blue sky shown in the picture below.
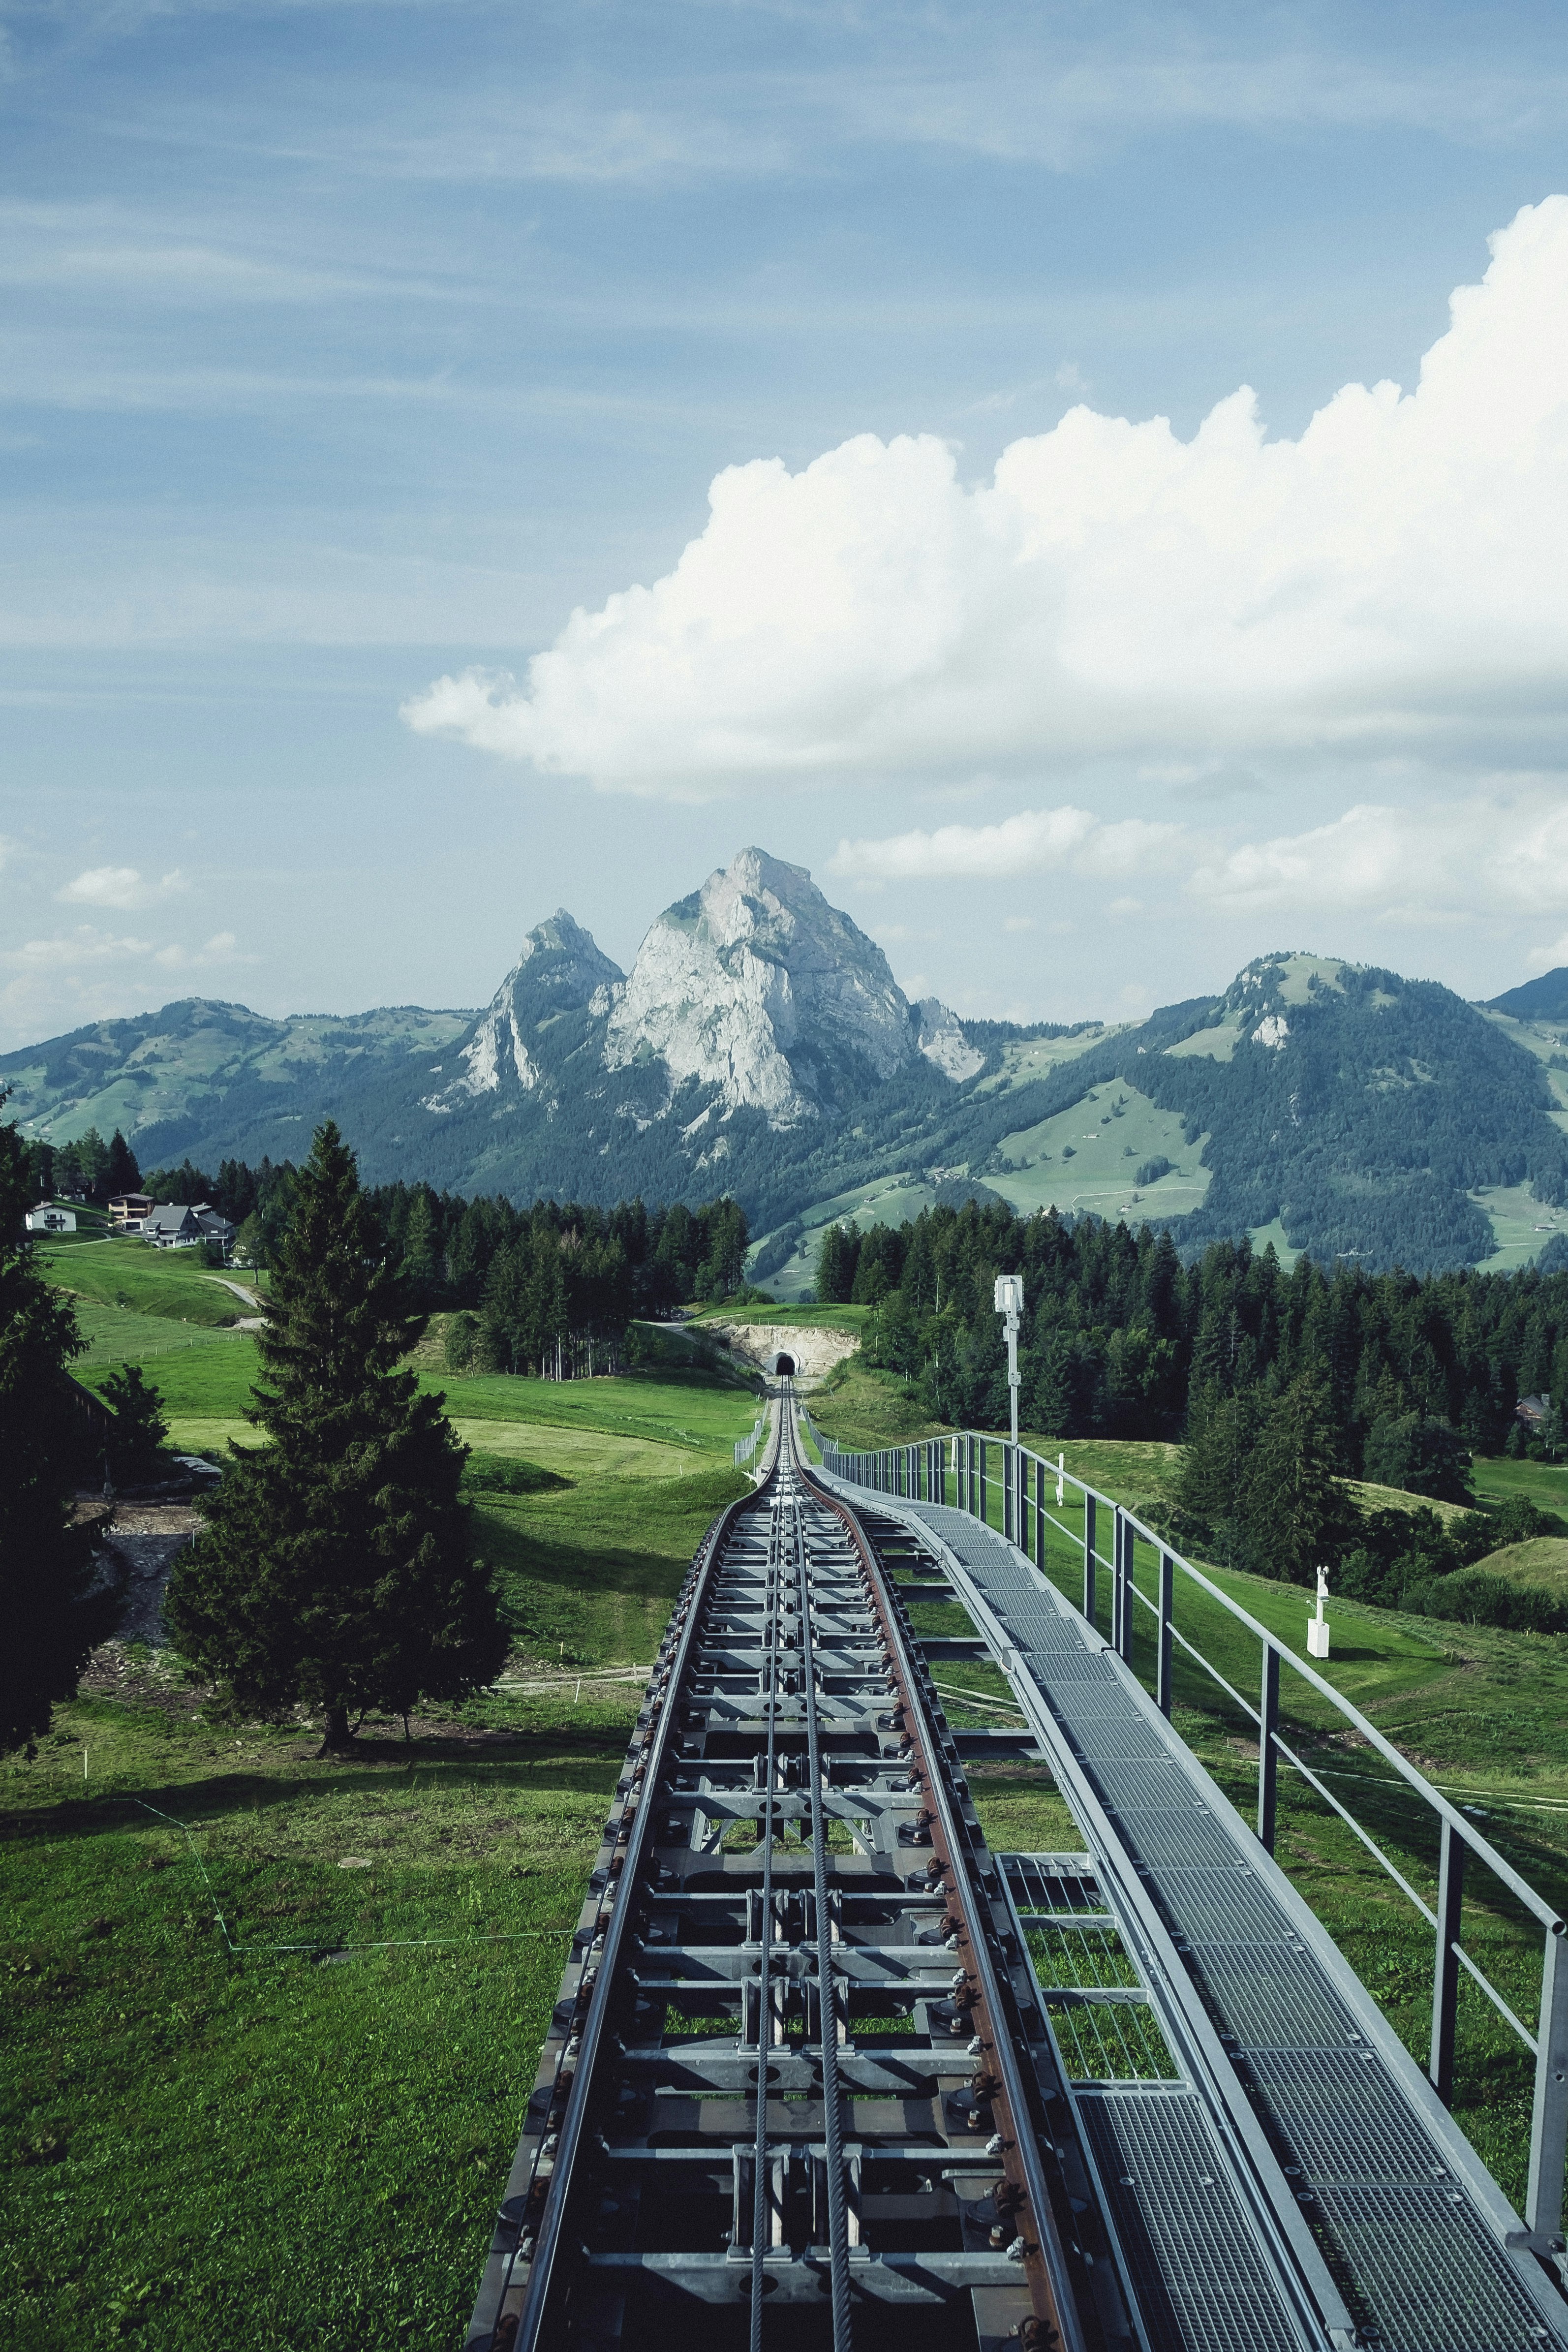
(349, 348)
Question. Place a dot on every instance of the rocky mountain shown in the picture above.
(761, 1045)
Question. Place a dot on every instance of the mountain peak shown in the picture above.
(562, 934)
(560, 968)
(757, 986)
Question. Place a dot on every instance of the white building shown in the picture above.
(47, 1219)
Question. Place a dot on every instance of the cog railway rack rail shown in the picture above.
(825, 2071)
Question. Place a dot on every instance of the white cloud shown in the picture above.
(1498, 856)
(95, 974)
(219, 949)
(87, 945)
(1035, 841)
(1391, 583)
(117, 886)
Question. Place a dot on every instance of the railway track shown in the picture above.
(798, 2089)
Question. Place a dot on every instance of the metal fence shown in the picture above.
(745, 1447)
(1013, 1489)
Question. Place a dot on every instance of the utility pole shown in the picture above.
(1009, 1305)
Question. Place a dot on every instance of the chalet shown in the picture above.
(128, 1211)
(1535, 1412)
(173, 1225)
(47, 1219)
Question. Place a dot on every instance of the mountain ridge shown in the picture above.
(760, 1045)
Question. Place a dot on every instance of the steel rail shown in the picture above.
(827, 2001)
(547, 2242)
(1020, 2131)
(789, 1648)
(759, 2219)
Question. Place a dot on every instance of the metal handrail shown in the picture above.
(922, 1471)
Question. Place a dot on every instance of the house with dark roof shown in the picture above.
(176, 1225)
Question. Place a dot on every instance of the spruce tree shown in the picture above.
(120, 1172)
(136, 1439)
(52, 1614)
(1297, 1514)
(335, 1565)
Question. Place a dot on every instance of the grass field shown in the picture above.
(1483, 1712)
(821, 1318)
(1086, 1157)
(131, 1274)
(211, 2138)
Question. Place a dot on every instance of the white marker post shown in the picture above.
(1009, 1305)
(1317, 1629)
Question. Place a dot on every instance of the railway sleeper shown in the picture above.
(793, 1904)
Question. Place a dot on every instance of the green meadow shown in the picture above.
(269, 2023)
(292, 2128)
(1483, 1713)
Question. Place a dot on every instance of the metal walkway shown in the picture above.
(1298, 2178)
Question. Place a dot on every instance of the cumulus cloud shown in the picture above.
(219, 949)
(88, 945)
(1035, 841)
(85, 975)
(117, 886)
(1492, 855)
(1392, 583)
(85, 945)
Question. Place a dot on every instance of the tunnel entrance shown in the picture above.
(784, 1367)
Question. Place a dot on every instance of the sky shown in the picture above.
(1089, 482)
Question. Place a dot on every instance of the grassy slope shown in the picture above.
(207, 2147)
(131, 1274)
(369, 2110)
(203, 2145)
(821, 1318)
(1483, 1712)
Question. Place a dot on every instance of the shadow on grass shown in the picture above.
(585, 1763)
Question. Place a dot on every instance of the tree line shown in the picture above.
(1281, 1384)
(551, 1289)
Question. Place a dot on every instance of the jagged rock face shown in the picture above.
(759, 988)
(561, 969)
(943, 1041)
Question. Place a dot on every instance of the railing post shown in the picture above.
(1129, 1591)
(1089, 1601)
(1268, 1757)
(1008, 1492)
(1040, 1515)
(1446, 1975)
(1118, 1589)
(1549, 2116)
(985, 1482)
(1162, 1661)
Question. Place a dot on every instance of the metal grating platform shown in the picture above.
(1205, 2284)
(1415, 2237)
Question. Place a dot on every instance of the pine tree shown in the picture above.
(334, 1566)
(120, 1172)
(139, 1428)
(1296, 1512)
(421, 1263)
(52, 1615)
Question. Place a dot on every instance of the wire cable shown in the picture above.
(827, 2005)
